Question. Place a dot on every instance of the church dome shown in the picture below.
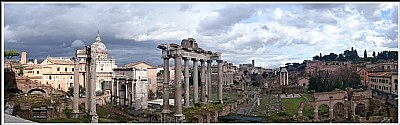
(100, 48)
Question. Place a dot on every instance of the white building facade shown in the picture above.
(130, 87)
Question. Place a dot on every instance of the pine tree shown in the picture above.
(365, 53)
(373, 54)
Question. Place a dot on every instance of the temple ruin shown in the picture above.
(189, 50)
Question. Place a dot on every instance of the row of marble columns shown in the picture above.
(284, 78)
(206, 87)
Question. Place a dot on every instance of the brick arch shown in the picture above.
(330, 99)
(345, 109)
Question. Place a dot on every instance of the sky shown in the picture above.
(270, 33)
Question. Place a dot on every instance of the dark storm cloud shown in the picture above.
(226, 18)
(127, 51)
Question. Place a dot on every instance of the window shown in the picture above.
(395, 87)
(66, 69)
(59, 86)
(58, 68)
(37, 72)
(70, 77)
(50, 77)
(388, 67)
(72, 69)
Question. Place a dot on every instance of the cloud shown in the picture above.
(223, 19)
(78, 44)
(273, 34)
(185, 7)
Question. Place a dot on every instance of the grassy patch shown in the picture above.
(291, 105)
(105, 120)
(192, 111)
(102, 112)
(308, 96)
(263, 107)
(308, 111)
(227, 97)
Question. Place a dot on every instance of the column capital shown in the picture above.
(185, 58)
(195, 59)
(177, 55)
(220, 61)
(165, 57)
(209, 61)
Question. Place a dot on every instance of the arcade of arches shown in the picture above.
(340, 104)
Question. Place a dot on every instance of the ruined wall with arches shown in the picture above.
(340, 102)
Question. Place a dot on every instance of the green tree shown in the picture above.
(160, 73)
(9, 54)
(70, 91)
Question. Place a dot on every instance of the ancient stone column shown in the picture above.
(195, 82)
(315, 114)
(220, 81)
(280, 78)
(209, 90)
(178, 87)
(287, 78)
(112, 91)
(133, 87)
(87, 86)
(126, 93)
(166, 86)
(203, 81)
(134, 92)
(75, 104)
(346, 108)
(330, 110)
(186, 75)
(92, 111)
(117, 96)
